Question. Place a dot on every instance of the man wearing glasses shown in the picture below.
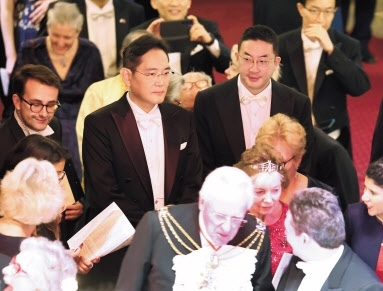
(324, 65)
(35, 97)
(229, 115)
(210, 245)
(138, 151)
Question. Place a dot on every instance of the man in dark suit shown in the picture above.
(35, 91)
(122, 15)
(228, 115)
(203, 51)
(139, 152)
(324, 65)
(208, 233)
(315, 230)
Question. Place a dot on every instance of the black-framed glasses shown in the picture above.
(201, 84)
(37, 107)
(155, 76)
(316, 12)
(285, 163)
(262, 62)
(61, 175)
(234, 221)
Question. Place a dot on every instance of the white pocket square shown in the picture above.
(328, 72)
(183, 145)
(197, 49)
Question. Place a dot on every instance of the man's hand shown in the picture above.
(41, 8)
(198, 32)
(154, 27)
(317, 32)
(73, 211)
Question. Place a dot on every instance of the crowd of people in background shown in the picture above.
(245, 184)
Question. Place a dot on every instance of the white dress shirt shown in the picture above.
(254, 113)
(152, 137)
(102, 32)
(317, 272)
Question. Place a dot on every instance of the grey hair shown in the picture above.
(31, 193)
(228, 181)
(316, 212)
(50, 266)
(65, 13)
(174, 87)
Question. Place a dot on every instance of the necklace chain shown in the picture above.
(165, 218)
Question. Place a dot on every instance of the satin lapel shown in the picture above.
(82, 7)
(295, 51)
(334, 279)
(130, 135)
(229, 111)
(172, 148)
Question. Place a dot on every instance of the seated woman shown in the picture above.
(29, 195)
(364, 220)
(41, 265)
(288, 137)
(43, 148)
(264, 165)
(76, 61)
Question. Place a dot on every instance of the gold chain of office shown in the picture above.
(171, 223)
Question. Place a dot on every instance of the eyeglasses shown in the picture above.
(234, 221)
(61, 175)
(15, 268)
(262, 63)
(155, 76)
(37, 107)
(201, 84)
(316, 12)
(285, 163)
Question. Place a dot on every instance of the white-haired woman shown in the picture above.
(41, 265)
(29, 195)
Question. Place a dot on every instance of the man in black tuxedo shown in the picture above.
(377, 138)
(228, 115)
(35, 91)
(122, 15)
(202, 51)
(324, 65)
(315, 230)
(205, 230)
(138, 151)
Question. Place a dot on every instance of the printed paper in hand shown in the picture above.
(104, 234)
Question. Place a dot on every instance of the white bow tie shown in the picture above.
(310, 46)
(250, 98)
(144, 121)
(106, 14)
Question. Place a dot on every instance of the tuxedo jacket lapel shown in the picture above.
(231, 117)
(295, 51)
(172, 149)
(127, 127)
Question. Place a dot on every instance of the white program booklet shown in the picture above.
(286, 258)
(104, 234)
(4, 77)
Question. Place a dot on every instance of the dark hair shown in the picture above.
(260, 32)
(131, 57)
(38, 72)
(375, 172)
(303, 2)
(36, 146)
(316, 212)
